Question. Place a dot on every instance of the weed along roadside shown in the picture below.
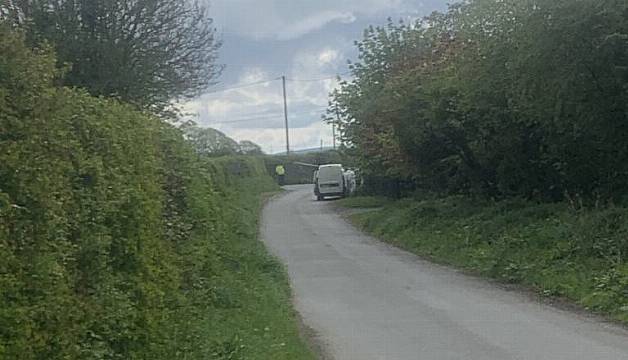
(255, 318)
(559, 252)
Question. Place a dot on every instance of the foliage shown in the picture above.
(555, 249)
(208, 141)
(496, 98)
(248, 147)
(117, 241)
(364, 202)
(252, 316)
(211, 142)
(144, 52)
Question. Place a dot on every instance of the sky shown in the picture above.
(309, 42)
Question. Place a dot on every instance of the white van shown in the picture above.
(329, 180)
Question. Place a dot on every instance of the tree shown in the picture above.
(249, 148)
(497, 98)
(145, 52)
(208, 141)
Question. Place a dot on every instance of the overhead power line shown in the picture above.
(268, 117)
(243, 86)
(318, 79)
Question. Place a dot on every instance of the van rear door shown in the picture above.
(330, 180)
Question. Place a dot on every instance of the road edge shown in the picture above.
(555, 302)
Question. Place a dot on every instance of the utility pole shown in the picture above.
(285, 113)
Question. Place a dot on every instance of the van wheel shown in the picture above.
(320, 197)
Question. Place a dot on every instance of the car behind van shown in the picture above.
(329, 180)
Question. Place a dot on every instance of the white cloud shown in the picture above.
(312, 64)
(312, 23)
(290, 19)
(253, 74)
(328, 56)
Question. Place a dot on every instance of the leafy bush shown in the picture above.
(495, 98)
(116, 240)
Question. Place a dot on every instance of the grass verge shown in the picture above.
(253, 316)
(558, 251)
(364, 202)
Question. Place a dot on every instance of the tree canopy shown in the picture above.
(211, 142)
(145, 52)
(248, 147)
(498, 98)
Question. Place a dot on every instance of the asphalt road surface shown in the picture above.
(366, 300)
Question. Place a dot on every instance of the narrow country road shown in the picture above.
(368, 301)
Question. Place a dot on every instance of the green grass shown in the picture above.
(575, 254)
(252, 315)
(366, 202)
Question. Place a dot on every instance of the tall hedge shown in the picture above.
(511, 98)
(102, 209)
